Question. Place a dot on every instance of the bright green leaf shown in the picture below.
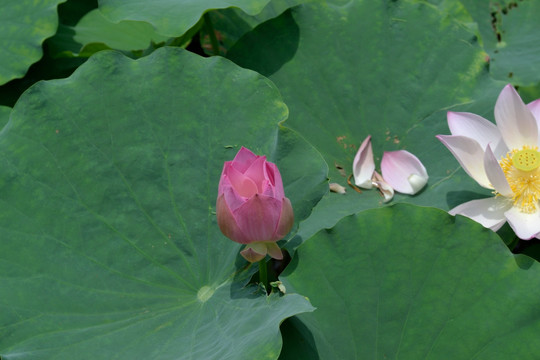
(24, 24)
(110, 247)
(446, 288)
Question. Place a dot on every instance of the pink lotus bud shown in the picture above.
(403, 171)
(251, 205)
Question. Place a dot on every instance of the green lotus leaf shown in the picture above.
(516, 55)
(172, 17)
(506, 30)
(24, 24)
(446, 288)
(110, 246)
(479, 15)
(4, 115)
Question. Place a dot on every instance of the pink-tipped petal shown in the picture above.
(258, 218)
(470, 156)
(477, 128)
(489, 212)
(526, 226)
(495, 173)
(241, 183)
(403, 171)
(243, 159)
(534, 107)
(227, 222)
(286, 220)
(363, 165)
(514, 120)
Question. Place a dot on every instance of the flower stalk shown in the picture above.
(211, 33)
(263, 275)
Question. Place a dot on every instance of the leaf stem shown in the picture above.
(263, 275)
(211, 33)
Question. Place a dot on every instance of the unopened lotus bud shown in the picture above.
(251, 205)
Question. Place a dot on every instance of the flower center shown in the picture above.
(526, 160)
(522, 170)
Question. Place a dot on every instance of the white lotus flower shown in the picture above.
(401, 171)
(502, 157)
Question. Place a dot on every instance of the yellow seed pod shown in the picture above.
(526, 159)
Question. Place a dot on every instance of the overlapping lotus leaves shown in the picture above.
(232, 23)
(125, 35)
(110, 245)
(382, 292)
(172, 17)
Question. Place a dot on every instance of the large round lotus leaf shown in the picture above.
(172, 17)
(110, 247)
(385, 293)
(516, 57)
(24, 24)
(391, 70)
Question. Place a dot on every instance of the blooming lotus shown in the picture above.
(251, 205)
(502, 157)
(401, 171)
